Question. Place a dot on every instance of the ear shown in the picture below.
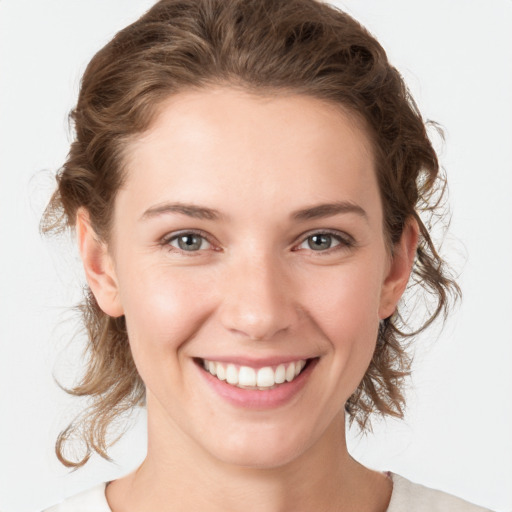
(98, 266)
(402, 259)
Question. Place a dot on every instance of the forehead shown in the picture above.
(285, 149)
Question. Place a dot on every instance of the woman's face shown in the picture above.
(248, 239)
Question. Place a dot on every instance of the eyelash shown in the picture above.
(344, 241)
(166, 241)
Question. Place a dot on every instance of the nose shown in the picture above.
(258, 299)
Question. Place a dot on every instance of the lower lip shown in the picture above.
(255, 398)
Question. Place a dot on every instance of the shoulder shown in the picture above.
(406, 496)
(92, 500)
(409, 496)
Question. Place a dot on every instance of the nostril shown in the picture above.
(256, 303)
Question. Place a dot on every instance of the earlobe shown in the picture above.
(400, 268)
(98, 266)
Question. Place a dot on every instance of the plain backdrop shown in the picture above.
(456, 56)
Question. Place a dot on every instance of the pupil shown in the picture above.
(189, 242)
(319, 242)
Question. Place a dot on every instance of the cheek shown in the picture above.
(345, 310)
(345, 303)
(163, 309)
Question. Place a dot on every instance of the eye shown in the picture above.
(189, 242)
(324, 241)
(321, 241)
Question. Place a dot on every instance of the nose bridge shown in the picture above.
(257, 301)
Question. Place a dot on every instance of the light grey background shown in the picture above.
(457, 58)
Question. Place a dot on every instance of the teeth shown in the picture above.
(280, 375)
(265, 378)
(247, 377)
(221, 372)
(290, 372)
(231, 374)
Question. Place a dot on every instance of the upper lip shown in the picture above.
(255, 362)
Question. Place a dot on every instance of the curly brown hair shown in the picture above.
(303, 46)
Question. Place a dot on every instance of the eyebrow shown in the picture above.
(191, 210)
(201, 212)
(328, 210)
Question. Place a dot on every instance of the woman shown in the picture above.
(245, 185)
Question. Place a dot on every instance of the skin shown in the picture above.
(254, 289)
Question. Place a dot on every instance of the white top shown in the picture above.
(406, 497)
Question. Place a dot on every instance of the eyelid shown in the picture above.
(346, 241)
(169, 237)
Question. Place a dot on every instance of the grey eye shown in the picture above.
(189, 242)
(320, 242)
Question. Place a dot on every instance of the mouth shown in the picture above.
(249, 378)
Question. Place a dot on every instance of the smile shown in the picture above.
(246, 377)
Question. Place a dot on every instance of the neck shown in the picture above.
(177, 475)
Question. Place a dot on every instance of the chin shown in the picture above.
(259, 451)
